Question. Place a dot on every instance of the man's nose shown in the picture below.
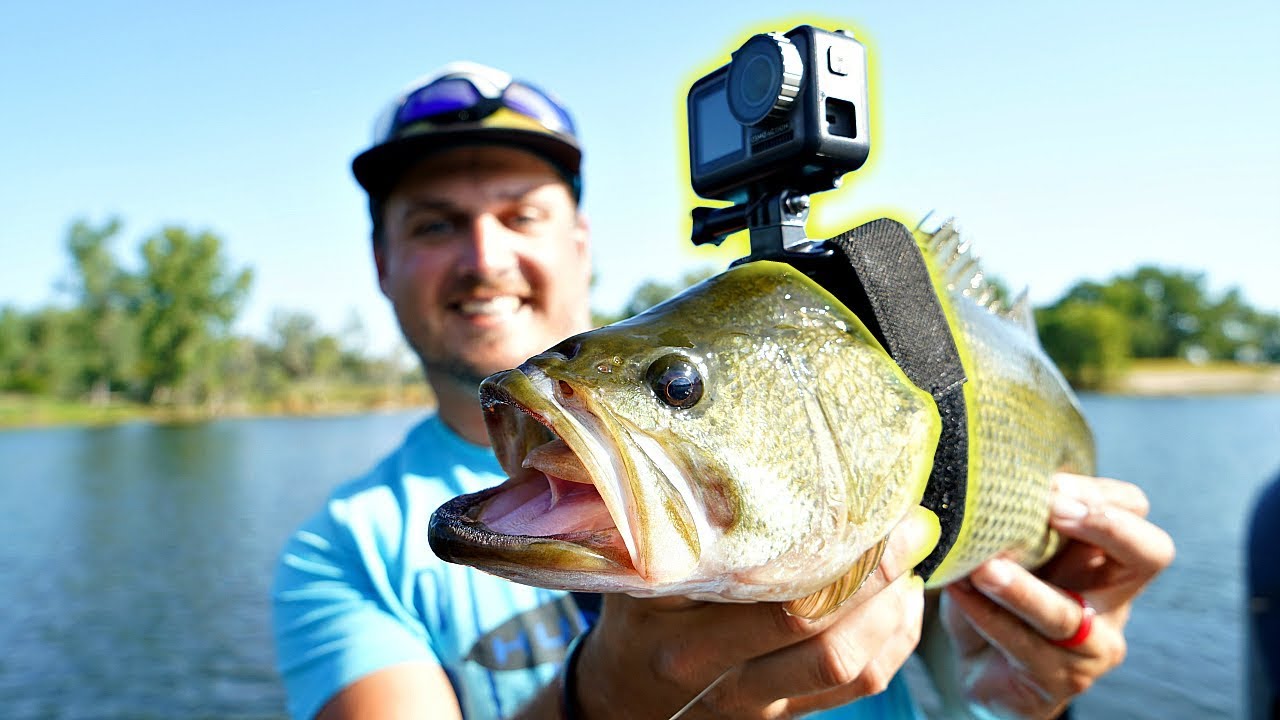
(491, 249)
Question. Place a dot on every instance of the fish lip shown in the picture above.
(457, 534)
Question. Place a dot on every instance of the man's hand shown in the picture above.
(647, 658)
(1004, 619)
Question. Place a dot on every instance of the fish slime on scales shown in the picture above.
(751, 440)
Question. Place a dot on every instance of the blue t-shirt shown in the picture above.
(358, 589)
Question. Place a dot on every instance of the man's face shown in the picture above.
(485, 259)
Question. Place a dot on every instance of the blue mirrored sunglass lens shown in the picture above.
(529, 101)
(438, 98)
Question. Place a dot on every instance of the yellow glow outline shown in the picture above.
(820, 225)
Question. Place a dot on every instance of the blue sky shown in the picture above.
(1071, 140)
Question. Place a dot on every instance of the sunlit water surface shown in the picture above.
(135, 561)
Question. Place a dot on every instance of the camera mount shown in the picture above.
(776, 221)
(786, 118)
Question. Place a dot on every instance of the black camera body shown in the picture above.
(789, 112)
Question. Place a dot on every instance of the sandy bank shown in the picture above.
(1174, 378)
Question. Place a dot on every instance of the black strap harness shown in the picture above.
(878, 272)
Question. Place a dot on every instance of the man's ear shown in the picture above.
(582, 233)
(380, 262)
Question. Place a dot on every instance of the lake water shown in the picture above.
(135, 560)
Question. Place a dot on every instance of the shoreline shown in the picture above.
(25, 413)
(1164, 378)
(1145, 378)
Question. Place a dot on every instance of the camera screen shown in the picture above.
(719, 134)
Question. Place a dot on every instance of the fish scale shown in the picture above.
(1024, 422)
(804, 445)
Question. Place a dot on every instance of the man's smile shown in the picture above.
(490, 306)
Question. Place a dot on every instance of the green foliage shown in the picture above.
(46, 367)
(186, 298)
(103, 326)
(162, 335)
(1163, 308)
(13, 346)
(1095, 327)
(1090, 342)
(652, 292)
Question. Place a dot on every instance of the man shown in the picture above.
(1262, 581)
(473, 183)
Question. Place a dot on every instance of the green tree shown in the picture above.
(46, 368)
(1179, 304)
(353, 339)
(1269, 338)
(188, 298)
(14, 347)
(103, 332)
(303, 350)
(1088, 341)
(326, 357)
(1234, 330)
(652, 292)
(236, 372)
(1170, 313)
(293, 335)
(1164, 308)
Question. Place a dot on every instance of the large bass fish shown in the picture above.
(751, 440)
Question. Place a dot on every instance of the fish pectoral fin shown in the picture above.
(830, 597)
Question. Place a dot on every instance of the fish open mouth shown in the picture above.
(549, 514)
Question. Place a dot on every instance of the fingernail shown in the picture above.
(1066, 484)
(1068, 508)
(994, 575)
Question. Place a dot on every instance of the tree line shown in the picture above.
(1097, 328)
(162, 334)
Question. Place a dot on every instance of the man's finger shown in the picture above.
(730, 634)
(1053, 670)
(840, 657)
(1047, 611)
(1100, 491)
(876, 675)
(1124, 536)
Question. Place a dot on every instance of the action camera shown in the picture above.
(788, 112)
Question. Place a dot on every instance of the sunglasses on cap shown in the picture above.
(469, 97)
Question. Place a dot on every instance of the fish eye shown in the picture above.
(676, 381)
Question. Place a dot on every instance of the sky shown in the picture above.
(1070, 140)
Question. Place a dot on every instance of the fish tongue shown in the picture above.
(556, 460)
(568, 502)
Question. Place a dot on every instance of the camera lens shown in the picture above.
(759, 80)
(764, 78)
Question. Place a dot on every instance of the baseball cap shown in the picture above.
(467, 103)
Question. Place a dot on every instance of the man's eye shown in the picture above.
(430, 228)
(525, 218)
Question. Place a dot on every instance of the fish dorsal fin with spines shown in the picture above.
(1021, 313)
(961, 272)
(830, 597)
